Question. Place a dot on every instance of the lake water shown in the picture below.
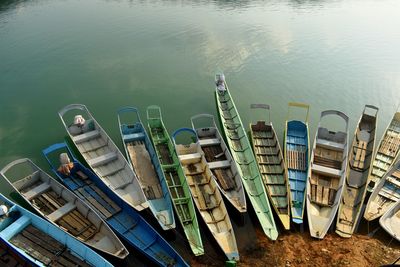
(107, 54)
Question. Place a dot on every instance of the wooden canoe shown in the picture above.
(62, 207)
(390, 221)
(326, 175)
(120, 216)
(141, 155)
(358, 170)
(272, 166)
(297, 153)
(205, 193)
(385, 194)
(103, 156)
(386, 153)
(177, 185)
(243, 156)
(43, 243)
(220, 161)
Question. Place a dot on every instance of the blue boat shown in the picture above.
(297, 154)
(119, 215)
(41, 242)
(141, 155)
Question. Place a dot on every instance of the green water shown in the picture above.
(107, 54)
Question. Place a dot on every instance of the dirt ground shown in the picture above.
(299, 249)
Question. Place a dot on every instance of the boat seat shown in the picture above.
(209, 142)
(393, 181)
(102, 160)
(16, 227)
(330, 144)
(38, 190)
(389, 194)
(190, 158)
(326, 170)
(219, 164)
(86, 136)
(133, 137)
(61, 212)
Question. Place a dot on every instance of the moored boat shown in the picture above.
(244, 158)
(387, 152)
(119, 215)
(141, 155)
(43, 243)
(390, 221)
(385, 194)
(358, 170)
(102, 155)
(296, 154)
(271, 164)
(219, 160)
(61, 207)
(176, 181)
(326, 175)
(205, 193)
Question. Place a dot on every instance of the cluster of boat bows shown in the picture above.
(94, 207)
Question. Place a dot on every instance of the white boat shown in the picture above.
(205, 193)
(326, 175)
(385, 194)
(102, 155)
(61, 207)
(358, 170)
(220, 161)
(390, 221)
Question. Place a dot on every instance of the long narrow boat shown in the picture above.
(244, 158)
(61, 207)
(390, 221)
(387, 152)
(177, 185)
(43, 243)
(358, 170)
(102, 155)
(141, 155)
(220, 161)
(326, 175)
(120, 216)
(205, 193)
(296, 153)
(385, 194)
(271, 164)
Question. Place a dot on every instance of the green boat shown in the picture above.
(177, 185)
(243, 156)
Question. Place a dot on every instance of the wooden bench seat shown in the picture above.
(190, 158)
(326, 170)
(209, 142)
(133, 137)
(219, 164)
(38, 190)
(102, 160)
(61, 212)
(16, 227)
(86, 136)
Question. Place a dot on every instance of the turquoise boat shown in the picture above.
(118, 214)
(244, 158)
(141, 155)
(177, 185)
(296, 152)
(43, 243)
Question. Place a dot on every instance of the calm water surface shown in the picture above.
(107, 54)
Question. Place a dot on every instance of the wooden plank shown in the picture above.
(45, 237)
(325, 193)
(32, 249)
(319, 194)
(47, 244)
(61, 212)
(72, 258)
(106, 198)
(93, 202)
